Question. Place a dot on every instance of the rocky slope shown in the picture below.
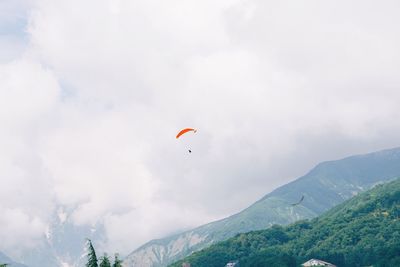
(325, 186)
(63, 244)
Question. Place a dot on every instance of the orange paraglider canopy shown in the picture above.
(185, 131)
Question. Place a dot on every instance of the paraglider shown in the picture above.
(184, 131)
(297, 203)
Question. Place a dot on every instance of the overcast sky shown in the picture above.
(93, 92)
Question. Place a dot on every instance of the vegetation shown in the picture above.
(117, 261)
(363, 231)
(104, 260)
(92, 258)
(325, 186)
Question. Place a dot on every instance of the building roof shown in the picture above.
(316, 262)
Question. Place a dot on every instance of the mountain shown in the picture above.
(325, 186)
(6, 260)
(364, 231)
(64, 243)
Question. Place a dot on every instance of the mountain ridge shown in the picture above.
(362, 231)
(326, 185)
(63, 243)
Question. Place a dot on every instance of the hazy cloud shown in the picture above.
(93, 105)
(28, 95)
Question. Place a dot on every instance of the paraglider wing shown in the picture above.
(185, 131)
(301, 200)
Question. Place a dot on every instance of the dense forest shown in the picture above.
(363, 231)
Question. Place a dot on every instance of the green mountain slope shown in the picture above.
(328, 184)
(363, 231)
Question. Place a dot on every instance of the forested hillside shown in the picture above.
(363, 231)
(325, 186)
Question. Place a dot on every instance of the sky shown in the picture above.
(92, 94)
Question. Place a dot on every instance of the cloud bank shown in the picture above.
(92, 101)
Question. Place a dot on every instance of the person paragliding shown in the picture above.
(185, 131)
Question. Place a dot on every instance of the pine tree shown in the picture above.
(117, 261)
(105, 262)
(3, 265)
(92, 258)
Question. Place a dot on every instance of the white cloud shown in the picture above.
(95, 159)
(154, 219)
(268, 85)
(16, 227)
(28, 95)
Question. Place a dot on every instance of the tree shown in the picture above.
(92, 258)
(104, 261)
(3, 264)
(117, 261)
